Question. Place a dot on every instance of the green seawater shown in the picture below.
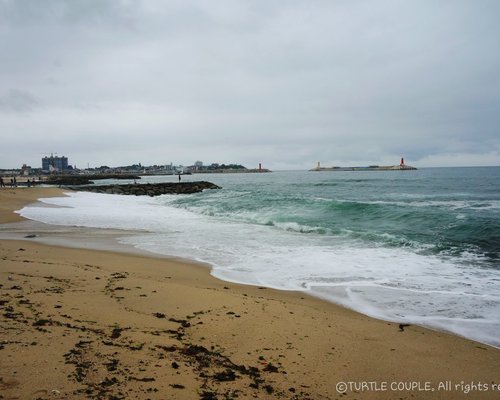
(441, 211)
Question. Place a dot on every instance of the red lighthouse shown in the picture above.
(402, 161)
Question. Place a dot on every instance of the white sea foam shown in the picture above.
(389, 283)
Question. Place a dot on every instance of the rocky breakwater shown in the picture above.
(149, 189)
(85, 179)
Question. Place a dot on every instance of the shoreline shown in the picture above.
(81, 306)
(117, 239)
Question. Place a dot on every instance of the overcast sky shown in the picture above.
(286, 83)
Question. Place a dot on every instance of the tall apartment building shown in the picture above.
(54, 163)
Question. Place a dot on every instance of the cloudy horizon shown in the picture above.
(282, 83)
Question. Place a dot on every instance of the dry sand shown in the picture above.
(81, 324)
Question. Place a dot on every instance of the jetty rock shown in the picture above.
(148, 189)
(85, 179)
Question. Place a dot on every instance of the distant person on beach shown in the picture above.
(15, 182)
(11, 182)
(28, 183)
(2, 183)
(179, 177)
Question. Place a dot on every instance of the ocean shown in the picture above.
(420, 247)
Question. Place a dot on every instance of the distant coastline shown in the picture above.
(233, 171)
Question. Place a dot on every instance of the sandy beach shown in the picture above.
(89, 324)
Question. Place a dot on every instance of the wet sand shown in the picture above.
(81, 324)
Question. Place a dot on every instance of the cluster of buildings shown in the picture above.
(52, 164)
(168, 169)
(55, 164)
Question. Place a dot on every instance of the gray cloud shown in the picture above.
(16, 100)
(283, 83)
